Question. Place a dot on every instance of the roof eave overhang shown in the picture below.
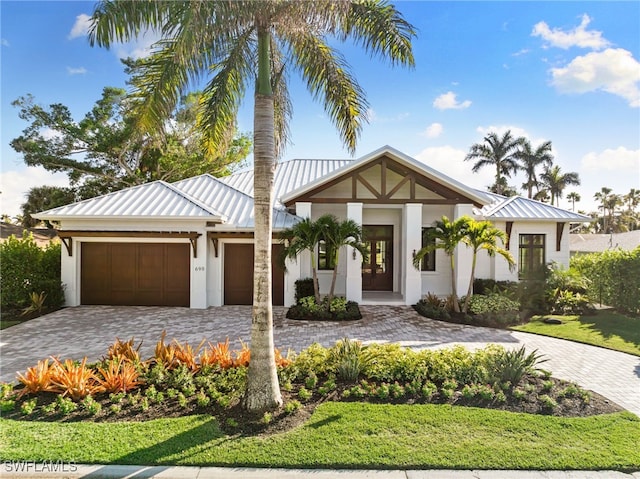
(42, 216)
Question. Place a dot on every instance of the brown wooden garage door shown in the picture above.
(238, 274)
(142, 274)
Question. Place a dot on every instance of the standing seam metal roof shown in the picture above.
(155, 199)
(236, 205)
(519, 208)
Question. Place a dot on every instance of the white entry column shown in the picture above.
(300, 268)
(411, 243)
(354, 261)
(463, 254)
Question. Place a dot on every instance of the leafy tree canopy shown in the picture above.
(104, 151)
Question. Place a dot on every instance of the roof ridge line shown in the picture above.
(190, 198)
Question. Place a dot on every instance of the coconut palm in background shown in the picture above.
(530, 160)
(555, 182)
(445, 235)
(499, 152)
(574, 197)
(231, 46)
(482, 235)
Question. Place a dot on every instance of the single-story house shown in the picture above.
(189, 243)
(582, 243)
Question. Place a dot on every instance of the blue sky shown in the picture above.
(568, 72)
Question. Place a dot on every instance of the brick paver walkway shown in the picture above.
(89, 330)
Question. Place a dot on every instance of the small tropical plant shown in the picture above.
(38, 378)
(37, 303)
(512, 364)
(75, 380)
(125, 350)
(218, 355)
(118, 376)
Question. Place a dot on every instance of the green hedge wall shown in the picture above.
(26, 268)
(615, 278)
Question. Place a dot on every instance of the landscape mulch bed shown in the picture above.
(234, 420)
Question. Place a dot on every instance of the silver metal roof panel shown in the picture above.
(235, 206)
(155, 199)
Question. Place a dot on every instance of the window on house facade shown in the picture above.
(531, 255)
(326, 256)
(429, 261)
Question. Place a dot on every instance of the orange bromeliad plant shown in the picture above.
(119, 375)
(38, 378)
(75, 380)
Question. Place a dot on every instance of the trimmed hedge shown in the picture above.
(615, 278)
(26, 268)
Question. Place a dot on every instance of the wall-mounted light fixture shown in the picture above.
(353, 253)
(414, 254)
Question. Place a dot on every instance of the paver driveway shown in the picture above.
(89, 330)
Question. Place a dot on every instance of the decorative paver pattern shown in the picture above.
(89, 330)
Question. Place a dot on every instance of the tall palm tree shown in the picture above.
(483, 235)
(337, 234)
(445, 235)
(530, 160)
(499, 152)
(603, 196)
(555, 182)
(234, 44)
(573, 197)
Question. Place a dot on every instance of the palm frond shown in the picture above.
(377, 26)
(327, 75)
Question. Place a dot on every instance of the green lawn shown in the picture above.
(606, 329)
(346, 435)
(5, 323)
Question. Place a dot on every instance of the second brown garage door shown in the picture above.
(238, 274)
(135, 274)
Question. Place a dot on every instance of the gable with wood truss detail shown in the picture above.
(384, 180)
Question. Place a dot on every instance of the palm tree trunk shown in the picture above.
(454, 294)
(333, 278)
(263, 389)
(314, 274)
(465, 307)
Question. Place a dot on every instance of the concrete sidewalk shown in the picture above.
(73, 471)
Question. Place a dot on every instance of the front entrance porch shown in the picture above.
(388, 298)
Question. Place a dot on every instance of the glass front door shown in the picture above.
(377, 271)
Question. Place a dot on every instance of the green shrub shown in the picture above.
(346, 355)
(491, 286)
(615, 277)
(304, 394)
(494, 309)
(304, 288)
(29, 406)
(339, 310)
(428, 309)
(26, 268)
(292, 406)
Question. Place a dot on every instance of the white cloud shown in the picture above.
(80, 27)
(15, 184)
(76, 71)
(450, 161)
(139, 48)
(519, 53)
(372, 117)
(578, 36)
(4, 42)
(619, 159)
(448, 101)
(614, 71)
(433, 131)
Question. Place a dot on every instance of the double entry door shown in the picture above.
(377, 271)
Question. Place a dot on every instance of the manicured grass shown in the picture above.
(607, 329)
(346, 435)
(5, 323)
